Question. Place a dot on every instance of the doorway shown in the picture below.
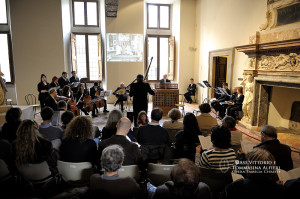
(220, 76)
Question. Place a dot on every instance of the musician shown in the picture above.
(191, 91)
(139, 92)
(93, 92)
(51, 101)
(237, 104)
(222, 98)
(43, 87)
(164, 80)
(66, 91)
(80, 100)
(221, 106)
(74, 78)
(122, 94)
(63, 80)
(54, 82)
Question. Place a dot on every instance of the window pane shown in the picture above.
(78, 13)
(164, 17)
(93, 57)
(4, 57)
(91, 13)
(81, 56)
(152, 16)
(163, 57)
(152, 52)
(3, 14)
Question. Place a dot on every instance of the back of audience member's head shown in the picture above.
(185, 176)
(269, 131)
(190, 123)
(13, 115)
(156, 114)
(27, 135)
(174, 114)
(221, 137)
(61, 104)
(229, 122)
(142, 113)
(260, 161)
(66, 117)
(47, 113)
(205, 108)
(123, 126)
(112, 158)
(80, 128)
(113, 118)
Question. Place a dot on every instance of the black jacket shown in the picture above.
(50, 102)
(41, 86)
(74, 79)
(162, 81)
(224, 98)
(239, 100)
(93, 91)
(192, 88)
(62, 82)
(139, 92)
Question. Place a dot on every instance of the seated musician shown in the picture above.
(81, 104)
(221, 106)
(50, 100)
(191, 91)
(165, 79)
(54, 84)
(222, 98)
(237, 104)
(122, 94)
(93, 93)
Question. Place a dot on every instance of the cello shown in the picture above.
(73, 105)
(87, 99)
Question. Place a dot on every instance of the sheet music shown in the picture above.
(201, 85)
(224, 91)
(107, 93)
(205, 142)
(207, 84)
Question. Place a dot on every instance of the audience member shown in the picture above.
(237, 104)
(46, 129)
(258, 183)
(31, 148)
(187, 138)
(185, 183)
(236, 135)
(131, 151)
(281, 152)
(110, 127)
(110, 185)
(66, 118)
(62, 105)
(142, 118)
(153, 138)
(5, 154)
(10, 127)
(174, 114)
(221, 156)
(77, 145)
(292, 187)
(205, 120)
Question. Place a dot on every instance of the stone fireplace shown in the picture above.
(272, 77)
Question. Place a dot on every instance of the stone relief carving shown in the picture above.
(252, 63)
(278, 63)
(248, 92)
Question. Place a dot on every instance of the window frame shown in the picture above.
(87, 55)
(158, 55)
(10, 57)
(7, 20)
(158, 16)
(85, 13)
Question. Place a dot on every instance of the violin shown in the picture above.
(58, 97)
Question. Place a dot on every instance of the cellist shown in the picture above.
(83, 105)
(94, 91)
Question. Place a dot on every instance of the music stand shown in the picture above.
(83, 80)
(207, 86)
(201, 86)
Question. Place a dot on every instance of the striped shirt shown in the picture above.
(220, 160)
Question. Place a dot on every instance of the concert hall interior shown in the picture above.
(201, 61)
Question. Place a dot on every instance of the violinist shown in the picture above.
(94, 91)
(81, 104)
(50, 100)
(54, 84)
(43, 87)
(66, 91)
(122, 94)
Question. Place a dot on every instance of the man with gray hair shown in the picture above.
(106, 184)
(131, 150)
(281, 152)
(51, 101)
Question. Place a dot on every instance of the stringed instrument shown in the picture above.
(87, 99)
(73, 105)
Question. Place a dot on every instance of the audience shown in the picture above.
(187, 138)
(185, 183)
(5, 151)
(153, 138)
(77, 145)
(110, 128)
(221, 156)
(46, 129)
(31, 148)
(62, 105)
(281, 152)
(174, 114)
(142, 118)
(237, 103)
(205, 120)
(131, 151)
(110, 185)
(66, 118)
(236, 135)
(258, 183)
(10, 127)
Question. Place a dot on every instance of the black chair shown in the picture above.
(31, 101)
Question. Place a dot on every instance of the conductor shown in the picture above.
(139, 92)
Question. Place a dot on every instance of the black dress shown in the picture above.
(43, 96)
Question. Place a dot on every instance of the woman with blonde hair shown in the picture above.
(77, 145)
(174, 114)
(31, 148)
